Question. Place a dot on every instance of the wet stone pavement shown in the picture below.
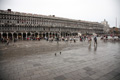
(36, 60)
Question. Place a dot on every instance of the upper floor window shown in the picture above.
(7, 21)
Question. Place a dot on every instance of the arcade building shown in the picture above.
(23, 25)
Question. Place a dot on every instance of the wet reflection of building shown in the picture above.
(95, 47)
(22, 25)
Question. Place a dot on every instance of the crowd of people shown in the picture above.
(51, 39)
(110, 37)
(81, 38)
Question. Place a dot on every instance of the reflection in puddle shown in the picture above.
(89, 47)
(95, 47)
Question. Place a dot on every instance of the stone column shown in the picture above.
(45, 34)
(31, 33)
(60, 34)
(7, 35)
(70, 34)
(53, 34)
(17, 36)
(38, 35)
(42, 34)
(26, 35)
(22, 35)
(48, 34)
(64, 34)
(12, 36)
(1, 34)
(34, 34)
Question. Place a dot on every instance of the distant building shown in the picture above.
(23, 25)
(106, 26)
(115, 31)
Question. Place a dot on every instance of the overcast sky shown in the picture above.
(88, 10)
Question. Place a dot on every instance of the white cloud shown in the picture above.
(89, 10)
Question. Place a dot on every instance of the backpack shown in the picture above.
(95, 38)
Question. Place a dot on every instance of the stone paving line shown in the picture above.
(77, 61)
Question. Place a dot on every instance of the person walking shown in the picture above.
(7, 42)
(95, 40)
(74, 40)
(60, 53)
(89, 40)
(55, 54)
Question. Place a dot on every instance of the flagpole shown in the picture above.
(116, 21)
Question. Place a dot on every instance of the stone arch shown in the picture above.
(53, 34)
(15, 35)
(76, 34)
(4, 35)
(73, 34)
(24, 36)
(56, 34)
(43, 35)
(28, 34)
(50, 34)
(61, 34)
(47, 35)
(36, 34)
(33, 35)
(0, 35)
(40, 34)
(67, 33)
(19, 36)
(70, 34)
(10, 36)
(64, 34)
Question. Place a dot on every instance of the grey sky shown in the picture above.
(88, 10)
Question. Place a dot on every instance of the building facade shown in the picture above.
(106, 27)
(23, 25)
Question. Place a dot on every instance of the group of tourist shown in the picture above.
(110, 37)
(51, 39)
(4, 40)
(66, 39)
